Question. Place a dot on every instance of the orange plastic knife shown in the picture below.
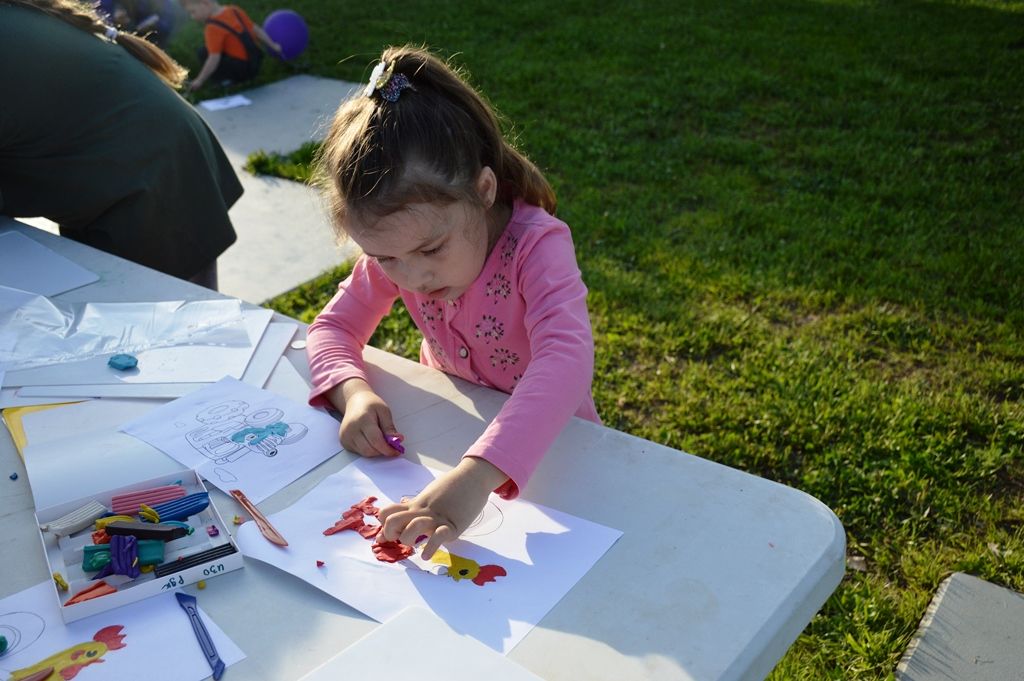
(266, 529)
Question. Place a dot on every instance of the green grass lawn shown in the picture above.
(801, 226)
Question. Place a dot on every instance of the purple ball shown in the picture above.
(289, 30)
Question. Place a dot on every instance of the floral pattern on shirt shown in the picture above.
(504, 358)
(498, 287)
(432, 312)
(508, 250)
(489, 328)
(439, 354)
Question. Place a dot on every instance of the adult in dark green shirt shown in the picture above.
(94, 137)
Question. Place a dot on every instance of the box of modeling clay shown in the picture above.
(130, 543)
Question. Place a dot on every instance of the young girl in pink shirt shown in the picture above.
(458, 224)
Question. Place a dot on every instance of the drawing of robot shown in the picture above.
(229, 433)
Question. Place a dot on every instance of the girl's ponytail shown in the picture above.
(419, 132)
(83, 17)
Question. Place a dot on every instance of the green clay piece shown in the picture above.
(123, 362)
(96, 556)
(3, 645)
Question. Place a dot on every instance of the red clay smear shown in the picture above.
(391, 551)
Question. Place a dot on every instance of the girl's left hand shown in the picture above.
(445, 508)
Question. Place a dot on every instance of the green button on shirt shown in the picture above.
(93, 140)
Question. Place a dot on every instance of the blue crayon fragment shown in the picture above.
(123, 362)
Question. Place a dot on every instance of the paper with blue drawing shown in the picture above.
(240, 437)
(505, 573)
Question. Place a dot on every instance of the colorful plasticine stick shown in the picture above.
(129, 502)
(163, 531)
(193, 560)
(79, 519)
(183, 508)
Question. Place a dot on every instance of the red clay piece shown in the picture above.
(98, 589)
(369, 531)
(345, 524)
(320, 563)
(391, 551)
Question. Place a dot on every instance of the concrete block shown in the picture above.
(972, 631)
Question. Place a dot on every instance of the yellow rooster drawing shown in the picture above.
(466, 568)
(67, 663)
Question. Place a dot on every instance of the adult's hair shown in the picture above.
(427, 146)
(83, 16)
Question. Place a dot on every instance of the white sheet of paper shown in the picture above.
(544, 552)
(287, 382)
(270, 348)
(89, 463)
(175, 364)
(158, 639)
(238, 436)
(229, 102)
(9, 398)
(27, 264)
(83, 417)
(427, 646)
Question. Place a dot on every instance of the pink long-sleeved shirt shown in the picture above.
(522, 328)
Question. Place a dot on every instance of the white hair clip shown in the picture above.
(377, 78)
(387, 82)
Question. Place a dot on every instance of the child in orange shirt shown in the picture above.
(232, 50)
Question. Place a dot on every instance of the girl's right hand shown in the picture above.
(367, 419)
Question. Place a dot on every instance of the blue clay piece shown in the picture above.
(13, 476)
(123, 362)
(181, 509)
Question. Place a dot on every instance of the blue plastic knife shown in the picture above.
(188, 604)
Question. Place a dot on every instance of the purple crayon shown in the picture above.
(395, 441)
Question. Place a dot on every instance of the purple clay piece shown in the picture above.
(212, 531)
(395, 443)
(124, 555)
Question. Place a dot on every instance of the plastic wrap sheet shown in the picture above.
(35, 331)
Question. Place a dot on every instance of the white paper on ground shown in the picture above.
(158, 638)
(229, 102)
(543, 553)
(89, 463)
(271, 346)
(27, 264)
(427, 646)
(238, 436)
(174, 364)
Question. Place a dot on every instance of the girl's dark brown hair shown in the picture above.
(83, 16)
(427, 146)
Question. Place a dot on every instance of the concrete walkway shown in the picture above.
(284, 238)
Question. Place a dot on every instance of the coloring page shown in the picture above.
(494, 584)
(240, 437)
(152, 640)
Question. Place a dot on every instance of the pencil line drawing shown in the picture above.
(230, 431)
(21, 629)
